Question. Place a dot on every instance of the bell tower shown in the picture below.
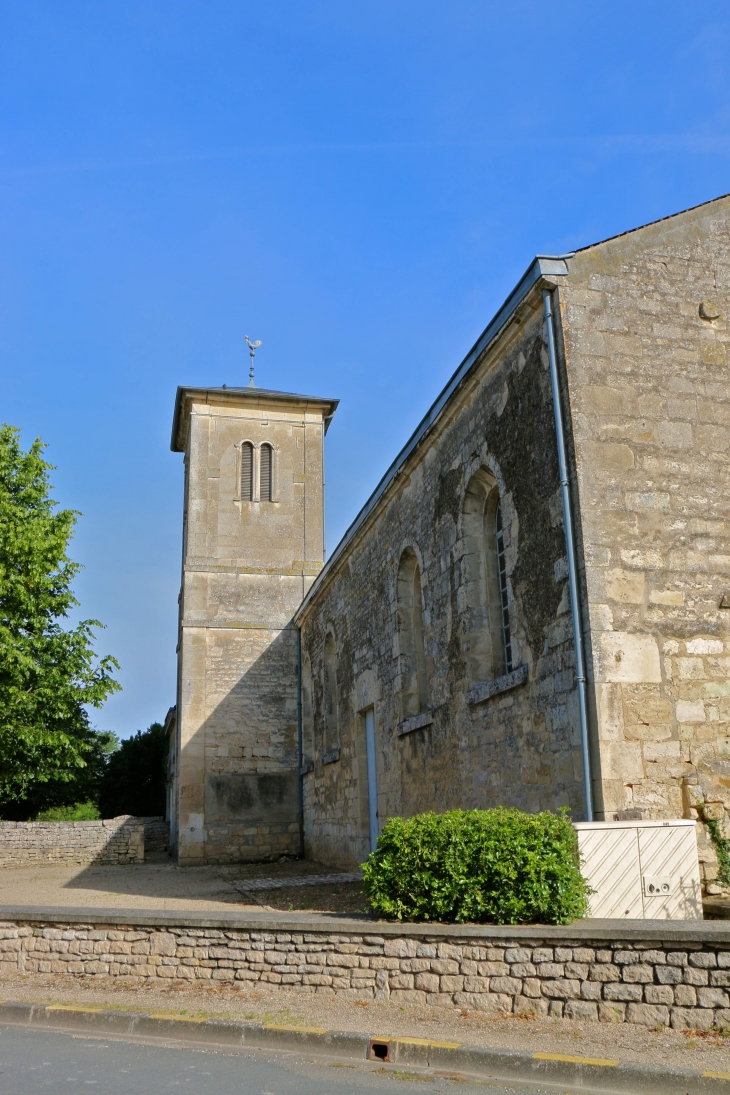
(253, 542)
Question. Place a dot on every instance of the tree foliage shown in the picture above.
(501, 866)
(49, 675)
(135, 778)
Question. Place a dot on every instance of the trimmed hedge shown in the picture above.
(498, 866)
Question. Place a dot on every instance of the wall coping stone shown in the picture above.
(674, 931)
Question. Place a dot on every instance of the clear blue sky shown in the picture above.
(358, 184)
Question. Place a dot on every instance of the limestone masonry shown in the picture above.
(24, 843)
(431, 662)
(682, 984)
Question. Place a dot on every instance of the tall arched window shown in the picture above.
(266, 457)
(503, 596)
(331, 733)
(307, 714)
(411, 643)
(488, 637)
(246, 472)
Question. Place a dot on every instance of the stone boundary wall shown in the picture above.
(45, 843)
(677, 983)
(156, 834)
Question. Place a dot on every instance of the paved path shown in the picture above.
(37, 1062)
(144, 886)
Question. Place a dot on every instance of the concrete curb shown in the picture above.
(442, 1058)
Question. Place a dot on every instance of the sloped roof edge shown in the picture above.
(541, 266)
(640, 227)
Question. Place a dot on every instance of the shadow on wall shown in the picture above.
(248, 789)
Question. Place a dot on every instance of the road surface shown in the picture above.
(34, 1062)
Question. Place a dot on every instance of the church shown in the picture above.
(532, 609)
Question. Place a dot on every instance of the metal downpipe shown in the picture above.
(580, 673)
(300, 743)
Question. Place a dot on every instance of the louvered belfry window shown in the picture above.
(265, 491)
(246, 472)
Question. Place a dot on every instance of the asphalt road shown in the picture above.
(36, 1062)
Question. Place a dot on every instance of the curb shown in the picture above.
(450, 1058)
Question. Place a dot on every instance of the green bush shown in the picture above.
(81, 811)
(499, 866)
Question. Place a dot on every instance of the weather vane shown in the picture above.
(252, 348)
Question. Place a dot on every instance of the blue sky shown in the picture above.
(357, 184)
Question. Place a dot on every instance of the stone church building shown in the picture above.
(532, 609)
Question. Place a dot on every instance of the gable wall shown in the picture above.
(650, 400)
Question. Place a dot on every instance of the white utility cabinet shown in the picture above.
(641, 870)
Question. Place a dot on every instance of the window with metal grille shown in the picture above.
(246, 472)
(503, 598)
(265, 473)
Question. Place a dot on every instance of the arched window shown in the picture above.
(307, 714)
(246, 472)
(331, 734)
(266, 483)
(503, 597)
(411, 644)
(488, 637)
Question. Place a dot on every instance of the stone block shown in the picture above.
(476, 984)
(648, 1015)
(669, 975)
(522, 969)
(512, 986)
(638, 974)
(561, 988)
(162, 943)
(427, 982)
(517, 954)
(685, 996)
(551, 969)
(400, 948)
(621, 991)
(692, 976)
(604, 971)
(692, 1018)
(590, 990)
(712, 998)
(659, 994)
(581, 1009)
(704, 960)
(611, 1012)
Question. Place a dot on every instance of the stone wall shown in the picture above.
(248, 561)
(478, 742)
(646, 335)
(156, 835)
(682, 983)
(38, 843)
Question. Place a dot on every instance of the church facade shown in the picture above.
(499, 626)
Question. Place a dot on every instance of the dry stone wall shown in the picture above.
(119, 840)
(685, 985)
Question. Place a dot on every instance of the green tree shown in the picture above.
(48, 676)
(136, 775)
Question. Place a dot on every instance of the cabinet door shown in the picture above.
(610, 864)
(670, 873)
